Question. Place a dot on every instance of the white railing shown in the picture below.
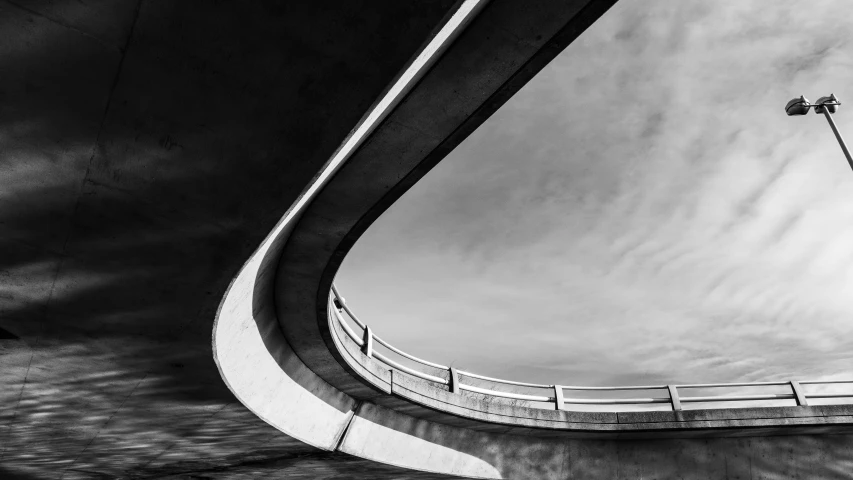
(366, 341)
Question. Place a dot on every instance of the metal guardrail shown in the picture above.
(673, 397)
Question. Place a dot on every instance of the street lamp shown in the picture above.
(825, 105)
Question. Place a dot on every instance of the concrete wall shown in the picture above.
(380, 434)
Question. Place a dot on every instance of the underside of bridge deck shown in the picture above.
(147, 149)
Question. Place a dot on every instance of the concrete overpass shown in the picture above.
(150, 147)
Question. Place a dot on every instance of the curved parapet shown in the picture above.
(361, 350)
(283, 358)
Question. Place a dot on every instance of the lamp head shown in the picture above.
(830, 103)
(798, 106)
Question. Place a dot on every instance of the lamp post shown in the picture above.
(825, 105)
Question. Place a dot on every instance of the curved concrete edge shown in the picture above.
(387, 436)
(264, 373)
(253, 357)
(272, 382)
(507, 43)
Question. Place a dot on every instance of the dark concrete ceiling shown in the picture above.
(147, 149)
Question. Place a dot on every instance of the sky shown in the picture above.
(643, 211)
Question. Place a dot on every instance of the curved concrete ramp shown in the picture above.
(274, 349)
(264, 373)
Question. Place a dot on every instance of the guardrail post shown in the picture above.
(799, 395)
(558, 398)
(673, 397)
(367, 348)
(454, 380)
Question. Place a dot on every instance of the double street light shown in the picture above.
(825, 105)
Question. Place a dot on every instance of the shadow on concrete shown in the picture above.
(7, 335)
(264, 316)
(148, 148)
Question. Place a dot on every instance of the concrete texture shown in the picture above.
(377, 433)
(147, 149)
